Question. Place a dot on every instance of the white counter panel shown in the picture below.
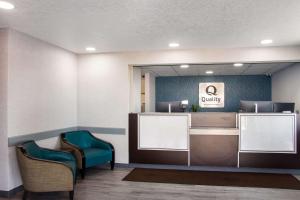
(268, 133)
(163, 132)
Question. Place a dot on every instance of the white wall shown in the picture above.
(285, 85)
(3, 109)
(103, 96)
(149, 92)
(42, 85)
(42, 93)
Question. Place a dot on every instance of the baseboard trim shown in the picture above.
(11, 193)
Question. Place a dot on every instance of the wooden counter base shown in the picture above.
(214, 150)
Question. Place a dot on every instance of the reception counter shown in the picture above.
(210, 139)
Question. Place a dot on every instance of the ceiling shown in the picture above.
(218, 69)
(130, 25)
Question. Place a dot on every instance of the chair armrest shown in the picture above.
(98, 143)
(41, 175)
(79, 154)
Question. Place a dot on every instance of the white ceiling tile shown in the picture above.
(114, 25)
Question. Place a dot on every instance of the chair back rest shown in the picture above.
(33, 150)
(82, 139)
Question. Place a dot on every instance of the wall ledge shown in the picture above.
(15, 140)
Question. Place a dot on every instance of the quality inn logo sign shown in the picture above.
(211, 95)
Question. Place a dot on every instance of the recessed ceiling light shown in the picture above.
(184, 66)
(267, 41)
(6, 5)
(90, 49)
(238, 64)
(209, 72)
(174, 44)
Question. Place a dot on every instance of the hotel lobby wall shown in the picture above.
(285, 85)
(177, 88)
(3, 109)
(149, 92)
(137, 88)
(41, 95)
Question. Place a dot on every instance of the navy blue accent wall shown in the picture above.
(177, 88)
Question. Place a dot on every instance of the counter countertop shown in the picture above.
(270, 114)
(213, 131)
(165, 114)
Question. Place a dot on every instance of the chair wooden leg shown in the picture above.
(76, 174)
(82, 172)
(25, 194)
(112, 165)
(71, 195)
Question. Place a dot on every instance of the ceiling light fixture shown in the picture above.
(90, 49)
(174, 44)
(6, 5)
(238, 64)
(267, 41)
(184, 66)
(209, 72)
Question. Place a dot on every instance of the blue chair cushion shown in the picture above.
(95, 156)
(81, 139)
(33, 150)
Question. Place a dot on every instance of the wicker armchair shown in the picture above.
(45, 170)
(89, 150)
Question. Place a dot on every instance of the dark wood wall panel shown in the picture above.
(214, 119)
(151, 156)
(214, 150)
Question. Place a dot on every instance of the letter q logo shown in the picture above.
(211, 90)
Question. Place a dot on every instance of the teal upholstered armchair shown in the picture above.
(89, 150)
(45, 170)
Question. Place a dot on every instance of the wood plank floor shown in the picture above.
(103, 184)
